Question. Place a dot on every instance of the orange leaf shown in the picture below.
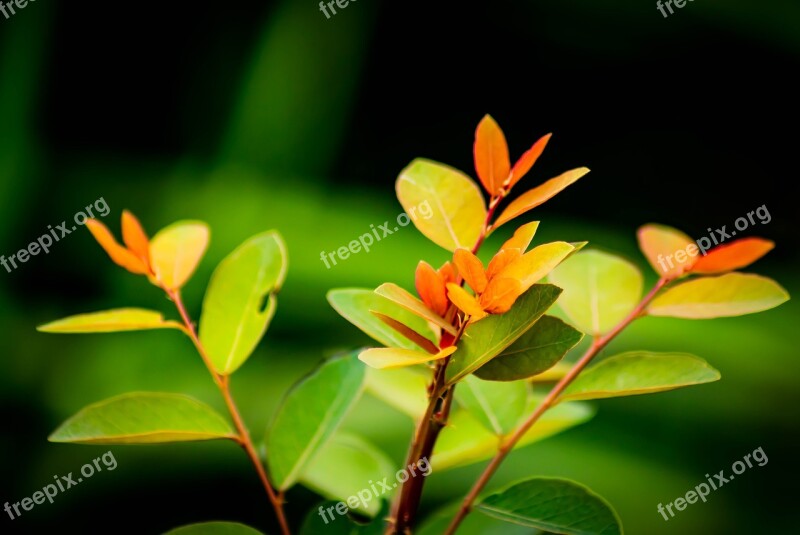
(430, 288)
(120, 255)
(538, 195)
(527, 160)
(491, 155)
(501, 260)
(731, 256)
(134, 237)
(471, 268)
(500, 294)
(464, 301)
(522, 237)
(447, 272)
(408, 332)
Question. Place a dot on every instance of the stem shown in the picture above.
(243, 436)
(433, 421)
(551, 398)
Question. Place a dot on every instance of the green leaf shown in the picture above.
(214, 528)
(437, 523)
(600, 289)
(639, 372)
(109, 321)
(452, 200)
(324, 520)
(554, 505)
(239, 302)
(347, 466)
(498, 406)
(536, 351)
(732, 294)
(465, 440)
(308, 416)
(176, 250)
(488, 337)
(355, 304)
(402, 388)
(143, 418)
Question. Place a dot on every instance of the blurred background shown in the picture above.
(259, 115)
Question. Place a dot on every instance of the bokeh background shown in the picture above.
(258, 115)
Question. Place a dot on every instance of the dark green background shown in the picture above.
(253, 116)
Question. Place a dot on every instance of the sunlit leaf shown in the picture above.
(309, 415)
(553, 505)
(144, 418)
(536, 351)
(661, 243)
(404, 389)
(534, 265)
(356, 306)
(408, 332)
(214, 528)
(431, 288)
(732, 294)
(134, 237)
(731, 256)
(344, 467)
(176, 250)
(491, 155)
(392, 357)
(487, 338)
(639, 372)
(470, 267)
(457, 207)
(538, 195)
(406, 300)
(600, 289)
(502, 260)
(498, 406)
(239, 302)
(107, 321)
(465, 440)
(465, 302)
(118, 254)
(527, 160)
(500, 294)
(522, 237)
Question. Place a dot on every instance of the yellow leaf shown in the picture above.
(661, 245)
(392, 357)
(465, 302)
(116, 320)
(522, 237)
(470, 267)
(175, 252)
(453, 202)
(119, 254)
(534, 265)
(733, 294)
(538, 195)
(403, 298)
